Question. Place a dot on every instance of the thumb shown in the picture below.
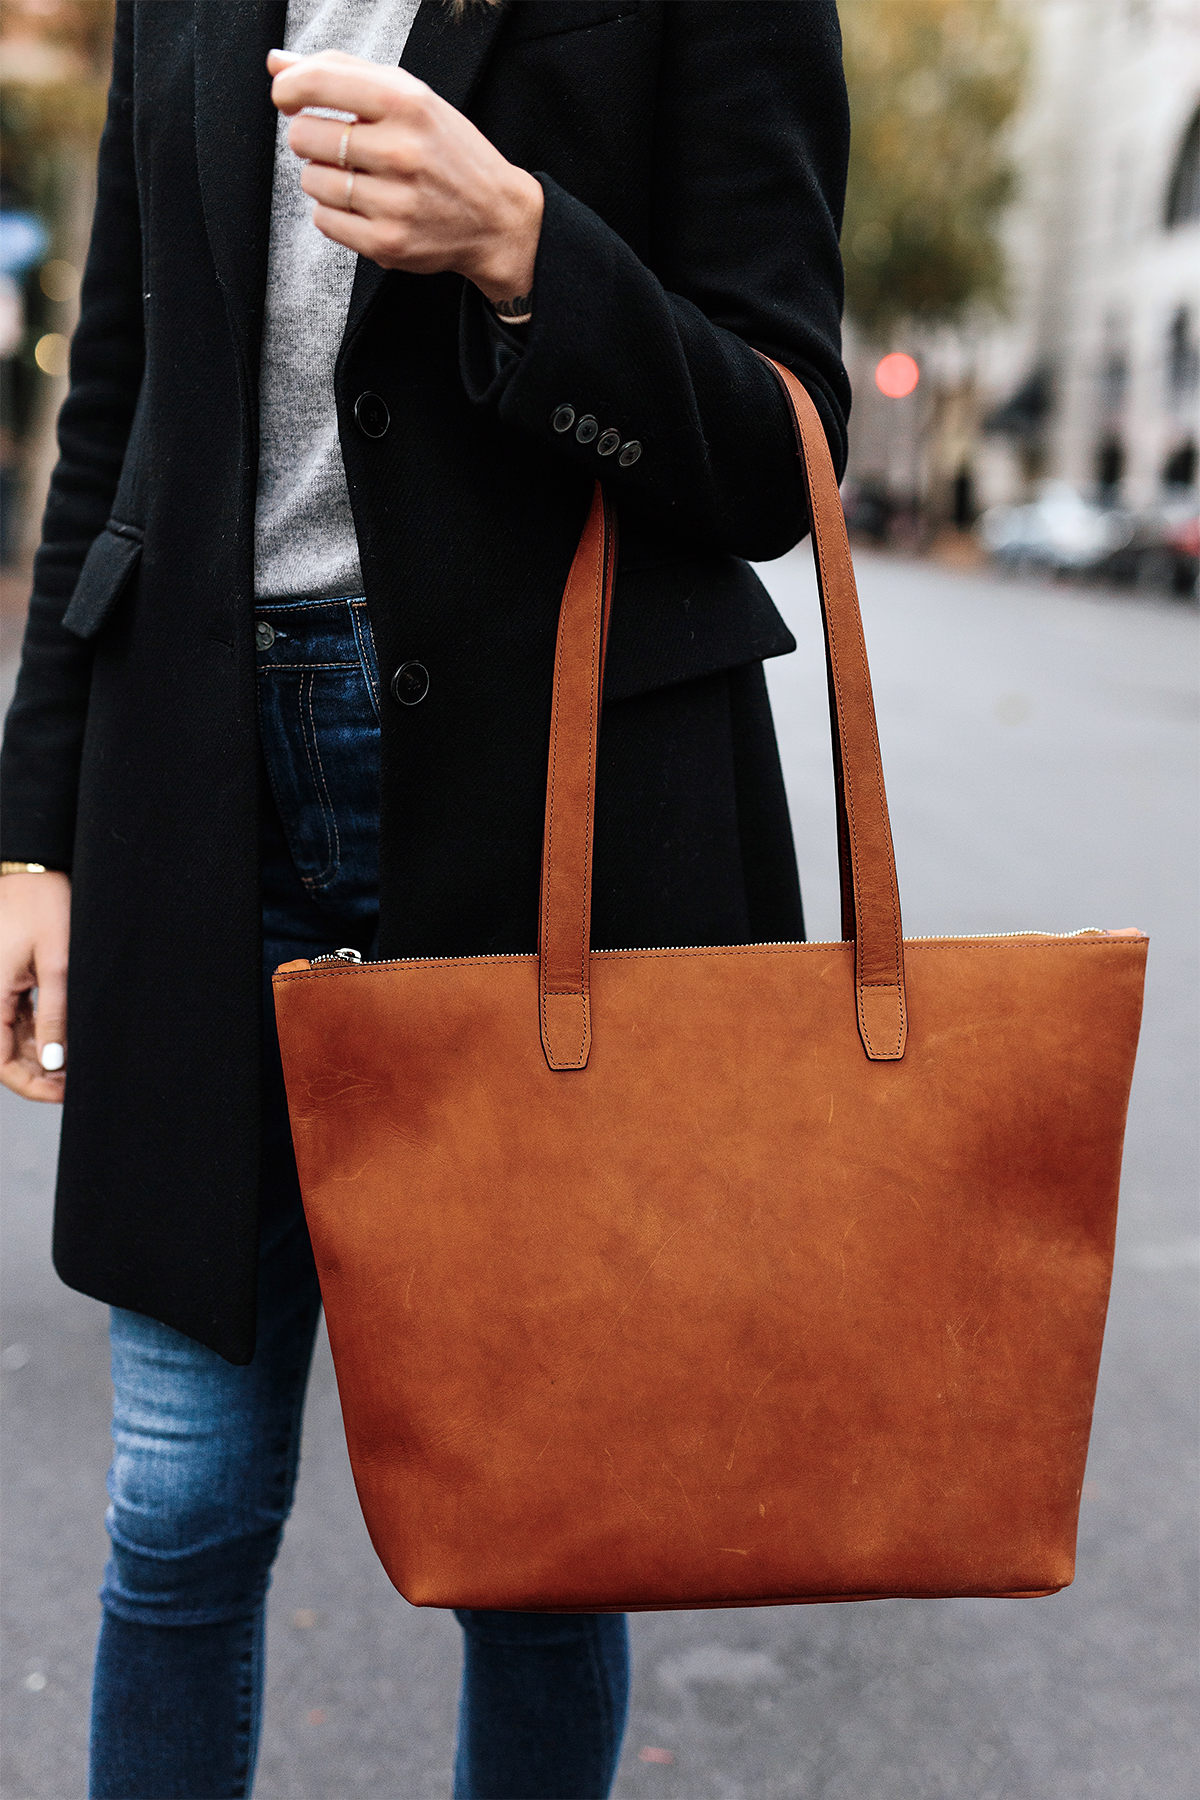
(50, 1026)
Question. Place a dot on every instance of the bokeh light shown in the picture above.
(52, 353)
(58, 280)
(897, 375)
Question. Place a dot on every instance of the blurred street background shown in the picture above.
(1022, 246)
(1022, 249)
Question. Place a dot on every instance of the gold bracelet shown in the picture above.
(20, 868)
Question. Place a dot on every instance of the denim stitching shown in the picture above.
(284, 606)
(245, 1720)
(321, 788)
(363, 635)
(269, 763)
(271, 667)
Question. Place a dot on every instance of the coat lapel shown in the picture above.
(449, 54)
(235, 151)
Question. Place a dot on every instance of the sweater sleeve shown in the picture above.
(43, 735)
(751, 150)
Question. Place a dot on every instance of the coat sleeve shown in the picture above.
(751, 146)
(43, 734)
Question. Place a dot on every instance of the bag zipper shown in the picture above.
(351, 957)
(945, 937)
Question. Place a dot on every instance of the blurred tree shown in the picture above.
(54, 62)
(54, 57)
(933, 83)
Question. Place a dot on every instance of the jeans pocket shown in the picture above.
(365, 639)
(318, 700)
(290, 708)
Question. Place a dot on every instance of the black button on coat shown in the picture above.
(371, 415)
(410, 683)
(702, 218)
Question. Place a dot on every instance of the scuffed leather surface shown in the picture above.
(734, 1314)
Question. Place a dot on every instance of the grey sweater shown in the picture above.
(304, 541)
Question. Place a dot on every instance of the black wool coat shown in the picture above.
(693, 160)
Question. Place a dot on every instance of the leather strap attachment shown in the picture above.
(868, 863)
(566, 903)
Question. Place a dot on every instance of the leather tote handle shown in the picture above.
(564, 932)
(870, 896)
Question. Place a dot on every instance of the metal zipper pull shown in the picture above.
(346, 956)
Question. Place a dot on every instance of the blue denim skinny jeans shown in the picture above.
(206, 1454)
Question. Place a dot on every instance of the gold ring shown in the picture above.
(350, 190)
(344, 146)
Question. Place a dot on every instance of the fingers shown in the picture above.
(20, 1070)
(390, 236)
(372, 198)
(35, 914)
(343, 83)
(378, 149)
(361, 235)
(50, 1020)
(16, 1022)
(429, 192)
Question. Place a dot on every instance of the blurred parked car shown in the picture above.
(1164, 551)
(1059, 530)
(1062, 532)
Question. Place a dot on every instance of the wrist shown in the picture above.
(505, 271)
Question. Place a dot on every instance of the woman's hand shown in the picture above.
(35, 926)
(421, 188)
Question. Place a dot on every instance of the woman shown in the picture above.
(286, 679)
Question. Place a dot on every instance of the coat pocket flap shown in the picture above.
(678, 620)
(106, 569)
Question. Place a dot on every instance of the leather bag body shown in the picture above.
(717, 1277)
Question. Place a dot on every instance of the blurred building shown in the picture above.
(1093, 376)
(1092, 379)
(1096, 380)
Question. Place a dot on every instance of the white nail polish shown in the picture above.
(53, 1058)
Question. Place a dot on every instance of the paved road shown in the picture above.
(1041, 753)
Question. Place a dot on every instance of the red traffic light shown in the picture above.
(897, 375)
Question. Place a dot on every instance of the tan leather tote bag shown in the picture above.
(726, 1277)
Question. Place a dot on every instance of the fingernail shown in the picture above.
(53, 1058)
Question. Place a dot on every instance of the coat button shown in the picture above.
(563, 418)
(608, 442)
(410, 683)
(586, 429)
(371, 415)
(629, 453)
